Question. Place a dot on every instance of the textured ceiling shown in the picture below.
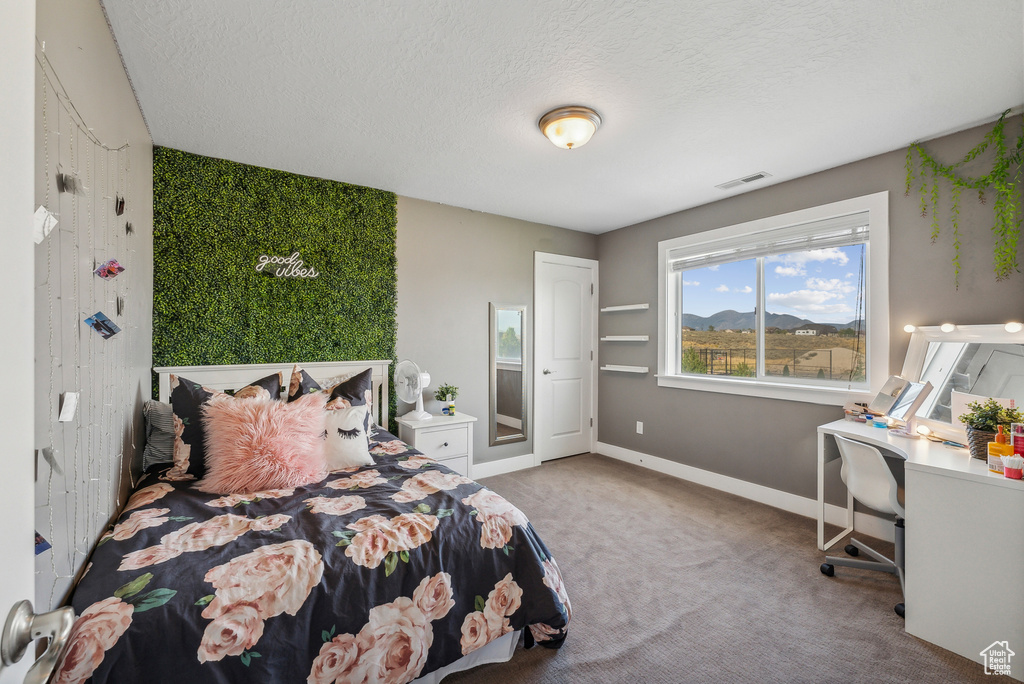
(440, 100)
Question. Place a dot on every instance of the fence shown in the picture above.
(805, 363)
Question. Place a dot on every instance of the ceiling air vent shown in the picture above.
(743, 181)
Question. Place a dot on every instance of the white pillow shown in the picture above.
(346, 445)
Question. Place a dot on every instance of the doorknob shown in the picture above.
(23, 627)
(547, 372)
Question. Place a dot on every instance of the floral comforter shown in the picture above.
(376, 574)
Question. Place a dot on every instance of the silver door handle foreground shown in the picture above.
(547, 372)
(23, 627)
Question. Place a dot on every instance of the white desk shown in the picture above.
(964, 545)
(920, 454)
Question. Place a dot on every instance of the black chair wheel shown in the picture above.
(901, 610)
(828, 569)
(852, 550)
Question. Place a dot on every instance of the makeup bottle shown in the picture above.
(996, 451)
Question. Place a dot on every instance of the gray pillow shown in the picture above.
(159, 434)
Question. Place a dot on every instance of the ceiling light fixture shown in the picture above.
(569, 127)
(947, 327)
(1013, 327)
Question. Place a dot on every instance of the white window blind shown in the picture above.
(839, 231)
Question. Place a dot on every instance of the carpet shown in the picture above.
(672, 582)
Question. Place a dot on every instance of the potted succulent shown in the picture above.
(446, 394)
(983, 421)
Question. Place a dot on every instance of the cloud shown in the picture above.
(831, 285)
(713, 268)
(725, 288)
(693, 283)
(795, 263)
(811, 301)
(789, 271)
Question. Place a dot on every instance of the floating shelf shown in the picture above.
(625, 307)
(625, 369)
(625, 338)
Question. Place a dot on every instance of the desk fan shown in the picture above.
(410, 382)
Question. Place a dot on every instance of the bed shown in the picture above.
(398, 571)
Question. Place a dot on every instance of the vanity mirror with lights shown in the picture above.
(508, 365)
(964, 363)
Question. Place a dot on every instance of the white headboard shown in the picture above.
(238, 376)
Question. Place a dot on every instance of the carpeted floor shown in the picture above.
(672, 582)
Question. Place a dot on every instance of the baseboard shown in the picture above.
(863, 522)
(502, 466)
(511, 422)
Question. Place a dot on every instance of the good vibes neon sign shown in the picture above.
(286, 267)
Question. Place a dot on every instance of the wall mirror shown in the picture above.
(968, 363)
(508, 373)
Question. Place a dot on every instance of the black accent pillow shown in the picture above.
(357, 390)
(301, 384)
(187, 400)
(354, 391)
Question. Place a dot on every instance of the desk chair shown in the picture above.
(871, 482)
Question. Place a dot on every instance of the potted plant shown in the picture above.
(983, 421)
(446, 394)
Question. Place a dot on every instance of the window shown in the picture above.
(793, 306)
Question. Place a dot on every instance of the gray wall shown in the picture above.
(451, 263)
(95, 450)
(767, 441)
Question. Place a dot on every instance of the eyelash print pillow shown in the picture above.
(345, 441)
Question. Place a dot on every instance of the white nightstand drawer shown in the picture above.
(448, 439)
(459, 464)
(443, 443)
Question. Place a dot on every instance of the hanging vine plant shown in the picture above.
(1002, 181)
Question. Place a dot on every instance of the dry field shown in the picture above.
(835, 356)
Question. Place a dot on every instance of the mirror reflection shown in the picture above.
(508, 379)
(976, 369)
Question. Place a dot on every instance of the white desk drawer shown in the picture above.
(444, 443)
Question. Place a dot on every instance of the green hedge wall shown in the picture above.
(212, 219)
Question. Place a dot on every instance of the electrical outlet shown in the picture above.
(639, 427)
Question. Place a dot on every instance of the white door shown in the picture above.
(17, 189)
(565, 336)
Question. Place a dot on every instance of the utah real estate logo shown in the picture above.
(997, 658)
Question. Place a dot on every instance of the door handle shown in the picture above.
(547, 372)
(23, 627)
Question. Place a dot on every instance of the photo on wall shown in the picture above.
(109, 269)
(103, 325)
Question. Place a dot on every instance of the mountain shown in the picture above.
(734, 320)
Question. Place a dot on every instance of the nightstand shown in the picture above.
(448, 439)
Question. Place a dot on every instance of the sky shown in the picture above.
(819, 285)
(508, 318)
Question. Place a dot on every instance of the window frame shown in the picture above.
(876, 310)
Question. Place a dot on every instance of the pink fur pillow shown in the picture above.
(257, 444)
